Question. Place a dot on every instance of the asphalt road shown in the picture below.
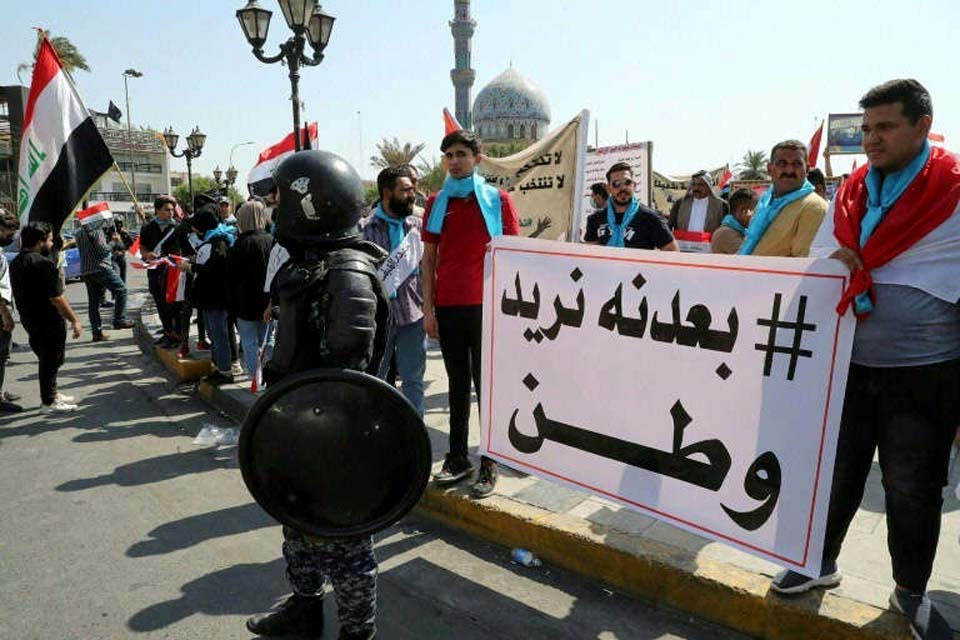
(113, 524)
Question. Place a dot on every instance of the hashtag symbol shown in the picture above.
(798, 327)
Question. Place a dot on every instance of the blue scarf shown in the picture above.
(882, 193)
(733, 223)
(767, 211)
(488, 197)
(616, 230)
(164, 223)
(394, 226)
(222, 230)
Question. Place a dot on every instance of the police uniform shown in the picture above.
(333, 312)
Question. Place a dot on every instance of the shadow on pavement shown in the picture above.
(160, 468)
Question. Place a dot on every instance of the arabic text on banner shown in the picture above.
(707, 390)
(542, 179)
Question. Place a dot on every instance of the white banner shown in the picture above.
(702, 390)
(637, 155)
(401, 262)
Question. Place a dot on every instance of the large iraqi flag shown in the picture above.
(62, 155)
(260, 179)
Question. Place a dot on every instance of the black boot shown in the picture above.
(298, 615)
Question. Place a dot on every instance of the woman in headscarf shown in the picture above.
(247, 266)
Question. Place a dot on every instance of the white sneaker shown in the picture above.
(65, 398)
(58, 406)
(237, 371)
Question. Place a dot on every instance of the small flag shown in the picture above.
(62, 154)
(260, 179)
(114, 113)
(813, 154)
(135, 247)
(727, 176)
(450, 123)
(96, 213)
(176, 281)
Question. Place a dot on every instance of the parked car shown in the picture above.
(71, 263)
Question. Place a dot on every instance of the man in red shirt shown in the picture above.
(460, 220)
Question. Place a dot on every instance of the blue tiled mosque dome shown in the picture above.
(511, 107)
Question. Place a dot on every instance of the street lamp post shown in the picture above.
(224, 187)
(309, 24)
(194, 147)
(130, 73)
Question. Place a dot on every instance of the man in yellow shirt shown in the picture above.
(790, 212)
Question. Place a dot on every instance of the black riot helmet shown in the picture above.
(320, 200)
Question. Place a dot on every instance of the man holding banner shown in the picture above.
(896, 226)
(461, 219)
(393, 228)
(625, 222)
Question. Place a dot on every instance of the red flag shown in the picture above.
(814, 149)
(135, 247)
(450, 123)
(62, 154)
(176, 281)
(854, 167)
(727, 175)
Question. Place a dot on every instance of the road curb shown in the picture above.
(653, 571)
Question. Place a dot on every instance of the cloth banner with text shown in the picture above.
(707, 390)
(637, 155)
(542, 179)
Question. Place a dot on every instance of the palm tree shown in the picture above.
(432, 174)
(70, 56)
(753, 166)
(393, 154)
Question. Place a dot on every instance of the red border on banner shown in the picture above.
(823, 427)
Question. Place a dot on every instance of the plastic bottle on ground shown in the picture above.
(525, 557)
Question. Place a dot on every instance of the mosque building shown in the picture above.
(510, 109)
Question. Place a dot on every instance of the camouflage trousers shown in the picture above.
(349, 565)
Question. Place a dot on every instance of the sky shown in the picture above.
(704, 81)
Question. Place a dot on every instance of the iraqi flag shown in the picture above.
(260, 180)
(450, 123)
(61, 153)
(96, 213)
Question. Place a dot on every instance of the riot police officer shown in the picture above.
(332, 314)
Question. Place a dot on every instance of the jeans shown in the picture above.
(909, 415)
(407, 343)
(48, 342)
(98, 283)
(156, 282)
(216, 321)
(121, 264)
(5, 338)
(461, 331)
(252, 334)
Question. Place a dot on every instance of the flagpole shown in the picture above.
(136, 204)
(76, 94)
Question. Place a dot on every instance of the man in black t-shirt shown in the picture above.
(38, 292)
(625, 222)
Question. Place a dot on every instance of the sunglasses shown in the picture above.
(626, 182)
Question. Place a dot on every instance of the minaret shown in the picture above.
(462, 27)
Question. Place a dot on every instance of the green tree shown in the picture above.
(370, 192)
(432, 174)
(502, 150)
(392, 153)
(70, 56)
(203, 184)
(753, 166)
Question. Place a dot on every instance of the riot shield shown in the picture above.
(334, 453)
